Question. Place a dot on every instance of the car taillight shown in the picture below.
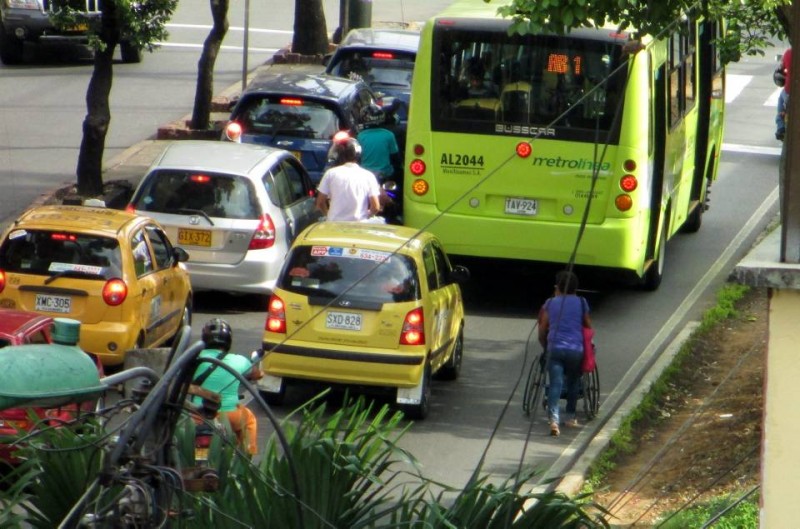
(413, 328)
(114, 292)
(276, 315)
(233, 131)
(2, 280)
(130, 208)
(264, 236)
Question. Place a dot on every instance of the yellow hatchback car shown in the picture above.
(367, 305)
(115, 272)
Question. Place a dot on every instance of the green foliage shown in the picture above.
(58, 465)
(745, 514)
(751, 23)
(725, 307)
(142, 23)
(338, 469)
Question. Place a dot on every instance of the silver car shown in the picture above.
(236, 208)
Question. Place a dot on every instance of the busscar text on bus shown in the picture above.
(599, 137)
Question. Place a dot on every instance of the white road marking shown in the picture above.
(772, 100)
(225, 48)
(231, 28)
(751, 149)
(734, 84)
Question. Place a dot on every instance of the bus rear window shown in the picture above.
(491, 83)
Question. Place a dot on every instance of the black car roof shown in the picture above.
(391, 39)
(317, 86)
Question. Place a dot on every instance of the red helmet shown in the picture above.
(344, 149)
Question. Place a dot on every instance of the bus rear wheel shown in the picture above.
(652, 277)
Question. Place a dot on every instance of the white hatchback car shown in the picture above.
(236, 208)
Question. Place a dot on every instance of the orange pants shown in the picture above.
(243, 424)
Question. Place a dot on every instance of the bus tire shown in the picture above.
(652, 277)
(695, 218)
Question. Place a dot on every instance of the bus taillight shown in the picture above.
(417, 167)
(629, 166)
(628, 183)
(419, 150)
(623, 202)
(419, 187)
(524, 149)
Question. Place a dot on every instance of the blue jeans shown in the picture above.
(780, 117)
(564, 371)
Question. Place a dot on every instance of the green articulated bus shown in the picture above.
(512, 137)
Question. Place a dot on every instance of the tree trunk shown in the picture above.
(310, 30)
(201, 113)
(98, 116)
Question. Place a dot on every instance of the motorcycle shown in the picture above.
(391, 202)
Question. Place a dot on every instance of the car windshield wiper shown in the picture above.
(63, 273)
(188, 211)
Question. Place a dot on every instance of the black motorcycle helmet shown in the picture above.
(372, 116)
(344, 149)
(217, 334)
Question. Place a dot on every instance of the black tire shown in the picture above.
(695, 219)
(186, 320)
(11, 48)
(420, 411)
(591, 394)
(274, 398)
(130, 54)
(452, 368)
(653, 276)
(534, 387)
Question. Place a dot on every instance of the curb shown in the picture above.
(572, 482)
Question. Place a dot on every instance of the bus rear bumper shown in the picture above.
(616, 243)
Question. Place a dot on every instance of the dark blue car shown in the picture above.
(299, 112)
(382, 57)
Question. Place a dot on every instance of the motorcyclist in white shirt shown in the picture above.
(347, 191)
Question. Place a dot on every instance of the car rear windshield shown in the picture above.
(61, 252)
(368, 275)
(379, 68)
(288, 116)
(190, 192)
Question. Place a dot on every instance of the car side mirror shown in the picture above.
(459, 274)
(179, 255)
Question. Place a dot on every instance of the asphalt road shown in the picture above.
(41, 109)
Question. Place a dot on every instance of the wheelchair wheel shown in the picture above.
(591, 394)
(534, 387)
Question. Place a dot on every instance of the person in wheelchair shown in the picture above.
(561, 322)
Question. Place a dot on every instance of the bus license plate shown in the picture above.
(47, 303)
(194, 237)
(521, 206)
(347, 321)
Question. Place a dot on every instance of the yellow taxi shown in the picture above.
(368, 305)
(115, 272)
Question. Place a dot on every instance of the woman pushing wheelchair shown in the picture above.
(562, 319)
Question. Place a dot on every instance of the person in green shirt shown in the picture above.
(379, 150)
(217, 335)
